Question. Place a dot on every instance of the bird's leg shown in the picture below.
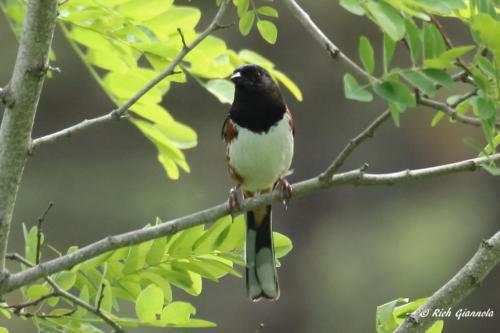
(233, 201)
(286, 190)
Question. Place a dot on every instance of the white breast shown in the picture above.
(260, 159)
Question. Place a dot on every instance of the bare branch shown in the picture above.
(326, 43)
(39, 231)
(353, 177)
(353, 143)
(121, 111)
(464, 282)
(449, 111)
(24, 90)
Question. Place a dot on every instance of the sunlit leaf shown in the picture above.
(149, 304)
(268, 31)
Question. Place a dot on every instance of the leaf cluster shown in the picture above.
(142, 275)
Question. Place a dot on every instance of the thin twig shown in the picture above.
(48, 316)
(354, 177)
(101, 297)
(121, 111)
(70, 297)
(468, 278)
(39, 232)
(449, 44)
(18, 307)
(451, 112)
(463, 98)
(353, 143)
(326, 43)
(182, 38)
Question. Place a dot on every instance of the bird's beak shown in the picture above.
(235, 76)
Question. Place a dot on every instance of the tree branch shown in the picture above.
(121, 111)
(334, 51)
(24, 89)
(449, 111)
(58, 291)
(464, 282)
(326, 43)
(353, 144)
(353, 177)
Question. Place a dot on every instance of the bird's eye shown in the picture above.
(259, 74)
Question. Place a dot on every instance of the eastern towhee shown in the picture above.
(258, 135)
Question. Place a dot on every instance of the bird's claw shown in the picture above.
(286, 190)
(233, 201)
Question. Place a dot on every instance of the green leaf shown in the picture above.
(157, 251)
(37, 290)
(420, 81)
(282, 245)
(267, 11)
(387, 18)
(30, 241)
(437, 118)
(389, 47)
(160, 282)
(255, 58)
(437, 327)
(182, 246)
(485, 107)
(140, 10)
(433, 41)
(136, 258)
(288, 83)
(4, 330)
(487, 28)
(66, 279)
(246, 22)
(233, 235)
(222, 89)
(268, 31)
(439, 76)
(207, 242)
(395, 91)
(149, 304)
(188, 281)
(395, 110)
(385, 321)
(107, 297)
(353, 90)
(4, 312)
(366, 54)
(414, 40)
(353, 6)
(242, 7)
(166, 24)
(445, 59)
(178, 314)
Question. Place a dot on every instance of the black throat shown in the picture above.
(257, 111)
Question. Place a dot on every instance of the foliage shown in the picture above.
(126, 43)
(434, 62)
(390, 315)
(143, 275)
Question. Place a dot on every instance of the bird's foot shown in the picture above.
(286, 190)
(233, 201)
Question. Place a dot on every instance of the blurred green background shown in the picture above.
(354, 247)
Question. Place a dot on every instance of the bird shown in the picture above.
(258, 135)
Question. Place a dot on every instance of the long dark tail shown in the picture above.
(262, 278)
